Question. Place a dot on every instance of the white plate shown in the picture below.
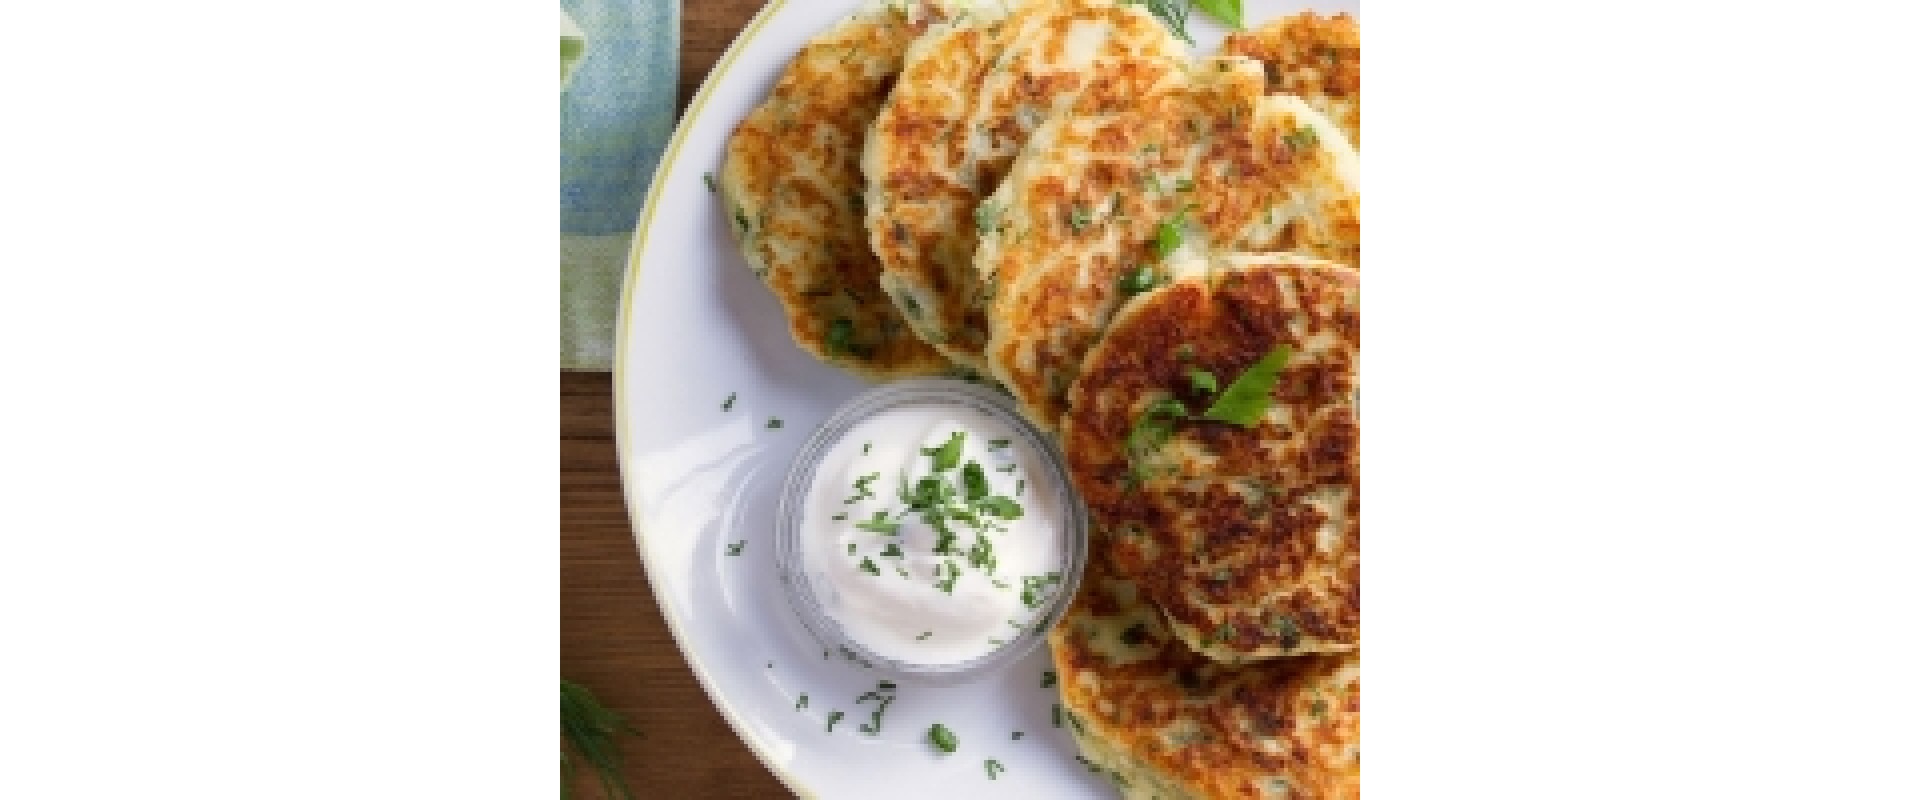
(697, 327)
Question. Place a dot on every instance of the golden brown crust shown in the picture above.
(1247, 537)
(1314, 57)
(1239, 170)
(793, 190)
(1171, 724)
(969, 97)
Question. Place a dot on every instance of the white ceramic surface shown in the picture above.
(696, 326)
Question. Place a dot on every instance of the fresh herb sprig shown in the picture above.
(591, 731)
(1175, 13)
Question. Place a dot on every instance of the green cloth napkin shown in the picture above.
(617, 109)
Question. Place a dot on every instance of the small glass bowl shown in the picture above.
(790, 555)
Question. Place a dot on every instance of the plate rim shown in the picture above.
(630, 280)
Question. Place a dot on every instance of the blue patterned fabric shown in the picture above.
(616, 114)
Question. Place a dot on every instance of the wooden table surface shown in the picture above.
(612, 637)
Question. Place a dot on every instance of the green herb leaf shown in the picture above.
(999, 444)
(892, 551)
(1048, 679)
(986, 217)
(994, 769)
(711, 186)
(880, 524)
(1168, 236)
(728, 406)
(591, 731)
(942, 738)
(1140, 278)
(735, 548)
(1078, 219)
(1002, 506)
(802, 704)
(774, 424)
(1301, 139)
(946, 456)
(840, 337)
(1246, 400)
(833, 718)
(1224, 10)
(923, 637)
(1203, 381)
(867, 566)
(975, 479)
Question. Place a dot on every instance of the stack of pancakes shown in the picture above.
(1057, 196)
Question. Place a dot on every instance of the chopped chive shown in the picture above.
(994, 769)
(986, 217)
(1017, 735)
(840, 516)
(866, 448)
(1167, 237)
(802, 704)
(840, 337)
(892, 551)
(998, 444)
(923, 637)
(942, 738)
(1183, 185)
(728, 406)
(735, 548)
(850, 548)
(774, 423)
(1203, 381)
(1056, 715)
(879, 524)
(1319, 708)
(1009, 468)
(833, 718)
(711, 186)
(1020, 487)
(866, 566)
(1048, 678)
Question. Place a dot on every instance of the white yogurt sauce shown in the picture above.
(888, 587)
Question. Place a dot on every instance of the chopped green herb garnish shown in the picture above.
(711, 186)
(1002, 506)
(740, 219)
(1301, 139)
(866, 448)
(1152, 430)
(728, 406)
(774, 423)
(1020, 487)
(1056, 715)
(863, 485)
(946, 456)
(851, 548)
(1017, 735)
(998, 444)
(880, 524)
(840, 516)
(1168, 236)
(735, 548)
(986, 217)
(923, 637)
(975, 480)
(834, 718)
(1079, 219)
(1183, 184)
(892, 551)
(1184, 352)
(1048, 678)
(1245, 400)
(840, 337)
(942, 738)
(802, 704)
(1139, 279)
(994, 769)
(867, 566)
(1034, 588)
(1319, 708)
(1203, 381)
(1008, 468)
